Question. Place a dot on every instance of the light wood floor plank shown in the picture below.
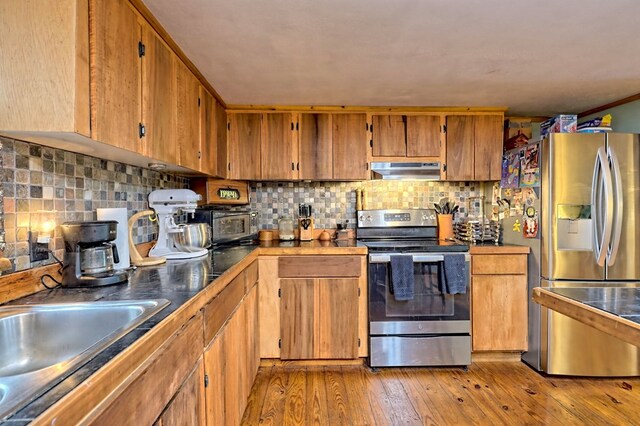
(491, 392)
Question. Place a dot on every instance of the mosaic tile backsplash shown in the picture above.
(335, 202)
(41, 182)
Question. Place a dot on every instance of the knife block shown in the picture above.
(305, 234)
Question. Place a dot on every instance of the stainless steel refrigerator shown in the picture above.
(588, 208)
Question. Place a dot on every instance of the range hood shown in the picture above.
(409, 171)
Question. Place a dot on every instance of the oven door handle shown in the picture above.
(417, 258)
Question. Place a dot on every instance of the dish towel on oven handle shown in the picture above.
(455, 274)
(402, 277)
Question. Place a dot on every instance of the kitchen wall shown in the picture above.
(41, 182)
(625, 118)
(335, 202)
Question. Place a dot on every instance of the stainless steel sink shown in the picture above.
(41, 344)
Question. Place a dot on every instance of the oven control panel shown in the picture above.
(396, 218)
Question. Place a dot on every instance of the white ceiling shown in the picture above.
(536, 57)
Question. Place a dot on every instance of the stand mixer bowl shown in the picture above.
(194, 237)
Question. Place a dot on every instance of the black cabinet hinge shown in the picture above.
(444, 167)
(293, 166)
(198, 102)
(298, 166)
(142, 131)
(371, 143)
(279, 292)
(228, 126)
(297, 126)
(444, 128)
(229, 166)
(199, 155)
(206, 380)
(358, 342)
(366, 166)
(280, 343)
(141, 49)
(292, 126)
(358, 291)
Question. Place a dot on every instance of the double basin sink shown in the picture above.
(42, 344)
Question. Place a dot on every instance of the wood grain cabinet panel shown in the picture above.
(315, 146)
(215, 368)
(389, 135)
(115, 73)
(158, 98)
(188, 405)
(297, 318)
(277, 147)
(244, 145)
(208, 133)
(222, 146)
(423, 136)
(187, 116)
(474, 147)
(350, 146)
(318, 266)
(499, 302)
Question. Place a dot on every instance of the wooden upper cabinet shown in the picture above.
(187, 116)
(423, 136)
(244, 145)
(277, 160)
(389, 136)
(222, 147)
(488, 147)
(158, 98)
(115, 73)
(474, 147)
(349, 135)
(460, 147)
(315, 146)
(208, 133)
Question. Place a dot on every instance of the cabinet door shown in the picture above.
(208, 136)
(221, 140)
(336, 318)
(187, 406)
(316, 150)
(499, 312)
(158, 98)
(276, 156)
(460, 147)
(234, 355)
(350, 146)
(389, 136)
(488, 147)
(115, 73)
(297, 318)
(423, 136)
(187, 116)
(244, 146)
(215, 368)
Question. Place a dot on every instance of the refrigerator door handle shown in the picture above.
(601, 190)
(618, 206)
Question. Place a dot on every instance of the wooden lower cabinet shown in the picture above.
(319, 318)
(145, 398)
(499, 302)
(187, 407)
(231, 363)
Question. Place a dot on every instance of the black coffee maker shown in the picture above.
(89, 254)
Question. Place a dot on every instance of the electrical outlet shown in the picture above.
(37, 251)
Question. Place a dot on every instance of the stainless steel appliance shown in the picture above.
(227, 225)
(433, 327)
(399, 171)
(90, 255)
(589, 236)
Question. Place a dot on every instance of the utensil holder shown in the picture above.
(305, 232)
(445, 226)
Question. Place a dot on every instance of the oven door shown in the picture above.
(430, 310)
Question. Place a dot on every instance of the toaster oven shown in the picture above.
(226, 225)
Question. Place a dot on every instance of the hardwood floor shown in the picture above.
(496, 393)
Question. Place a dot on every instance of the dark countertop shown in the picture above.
(178, 281)
(621, 301)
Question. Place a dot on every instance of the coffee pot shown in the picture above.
(90, 254)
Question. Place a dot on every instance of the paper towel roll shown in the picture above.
(122, 233)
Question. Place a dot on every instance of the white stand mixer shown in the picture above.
(166, 203)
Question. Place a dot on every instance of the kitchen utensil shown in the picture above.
(193, 238)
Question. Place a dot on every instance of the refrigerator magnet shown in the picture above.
(516, 226)
(530, 219)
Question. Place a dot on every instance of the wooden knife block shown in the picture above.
(305, 234)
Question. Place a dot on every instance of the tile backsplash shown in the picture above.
(40, 181)
(335, 202)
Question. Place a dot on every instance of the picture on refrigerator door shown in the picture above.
(530, 166)
(510, 170)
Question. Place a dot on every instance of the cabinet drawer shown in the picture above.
(499, 264)
(145, 398)
(251, 275)
(318, 266)
(219, 309)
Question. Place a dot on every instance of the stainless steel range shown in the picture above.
(418, 291)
